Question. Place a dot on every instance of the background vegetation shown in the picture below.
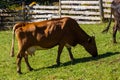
(15, 3)
(105, 67)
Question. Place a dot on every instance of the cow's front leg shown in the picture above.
(19, 58)
(70, 54)
(114, 34)
(60, 48)
(27, 63)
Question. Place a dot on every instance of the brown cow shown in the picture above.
(115, 10)
(47, 34)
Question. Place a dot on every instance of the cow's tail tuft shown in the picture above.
(13, 41)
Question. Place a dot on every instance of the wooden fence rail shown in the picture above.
(107, 5)
(84, 11)
(83, 8)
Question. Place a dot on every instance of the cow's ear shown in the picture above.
(90, 40)
(93, 36)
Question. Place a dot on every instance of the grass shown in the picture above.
(105, 67)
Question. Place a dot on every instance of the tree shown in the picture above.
(9, 3)
(6, 3)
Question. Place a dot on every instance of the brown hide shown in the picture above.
(47, 34)
(116, 1)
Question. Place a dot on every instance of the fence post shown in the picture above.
(101, 10)
(23, 10)
(2, 19)
(13, 20)
(60, 8)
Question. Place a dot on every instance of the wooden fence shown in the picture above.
(84, 11)
(7, 18)
(106, 6)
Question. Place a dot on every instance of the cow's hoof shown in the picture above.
(58, 63)
(19, 72)
(30, 69)
(114, 41)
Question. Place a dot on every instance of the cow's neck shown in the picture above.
(83, 37)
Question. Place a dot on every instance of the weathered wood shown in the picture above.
(107, 1)
(101, 10)
(46, 7)
(66, 12)
(79, 7)
(60, 8)
(107, 5)
(79, 2)
(75, 17)
(80, 10)
(107, 11)
(84, 11)
(108, 16)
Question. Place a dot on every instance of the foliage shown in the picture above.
(11, 4)
(104, 67)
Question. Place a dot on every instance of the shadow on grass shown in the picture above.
(86, 59)
(82, 60)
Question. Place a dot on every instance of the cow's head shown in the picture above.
(90, 46)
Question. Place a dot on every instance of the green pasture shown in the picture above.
(104, 67)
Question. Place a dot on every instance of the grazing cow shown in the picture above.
(115, 10)
(47, 34)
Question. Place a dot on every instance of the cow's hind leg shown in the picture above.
(60, 48)
(19, 58)
(70, 54)
(114, 34)
(27, 63)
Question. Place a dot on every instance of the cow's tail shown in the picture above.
(13, 42)
(16, 26)
(108, 26)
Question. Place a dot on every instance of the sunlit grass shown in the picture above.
(105, 67)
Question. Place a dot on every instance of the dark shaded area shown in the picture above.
(81, 60)
(86, 59)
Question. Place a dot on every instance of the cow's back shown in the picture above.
(50, 33)
(46, 34)
(56, 32)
